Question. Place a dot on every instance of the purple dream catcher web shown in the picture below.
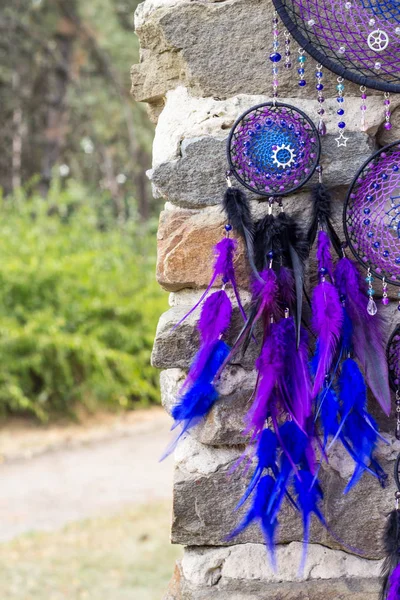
(357, 40)
(372, 215)
(273, 149)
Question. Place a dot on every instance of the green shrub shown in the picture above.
(78, 306)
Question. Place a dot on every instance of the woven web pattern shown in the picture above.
(393, 356)
(337, 33)
(273, 150)
(372, 214)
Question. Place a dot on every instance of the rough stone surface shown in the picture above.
(384, 136)
(189, 160)
(234, 586)
(214, 48)
(207, 489)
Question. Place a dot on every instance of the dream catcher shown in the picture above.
(359, 41)
(391, 539)
(372, 220)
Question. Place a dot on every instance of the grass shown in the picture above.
(124, 557)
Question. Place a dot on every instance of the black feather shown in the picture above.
(322, 214)
(237, 209)
(295, 250)
(391, 544)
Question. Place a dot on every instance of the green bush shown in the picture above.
(78, 306)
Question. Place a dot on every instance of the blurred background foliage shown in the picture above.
(78, 299)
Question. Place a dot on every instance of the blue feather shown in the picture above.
(266, 456)
(329, 410)
(347, 333)
(309, 494)
(196, 402)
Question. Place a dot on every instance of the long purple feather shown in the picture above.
(214, 320)
(327, 324)
(324, 257)
(286, 287)
(271, 367)
(394, 582)
(296, 384)
(224, 253)
(368, 337)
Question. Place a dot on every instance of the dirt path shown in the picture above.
(85, 475)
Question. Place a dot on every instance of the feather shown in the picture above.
(287, 295)
(296, 383)
(391, 564)
(196, 400)
(321, 218)
(237, 209)
(258, 511)
(329, 412)
(368, 337)
(309, 494)
(295, 252)
(214, 320)
(224, 253)
(266, 459)
(324, 257)
(327, 324)
(271, 367)
(394, 582)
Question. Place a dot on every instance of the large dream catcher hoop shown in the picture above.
(357, 40)
(372, 217)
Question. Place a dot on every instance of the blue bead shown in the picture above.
(258, 126)
(376, 186)
(340, 99)
(302, 82)
(386, 253)
(275, 57)
(279, 176)
(384, 176)
(296, 165)
(367, 222)
(269, 122)
(301, 71)
(370, 234)
(369, 279)
(395, 168)
(369, 198)
(283, 123)
(319, 87)
(367, 211)
(270, 255)
(225, 280)
(371, 292)
(319, 74)
(377, 244)
(398, 260)
(323, 271)
(228, 227)
(340, 111)
(341, 125)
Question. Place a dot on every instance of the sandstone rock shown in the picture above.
(185, 249)
(214, 48)
(206, 492)
(384, 136)
(242, 573)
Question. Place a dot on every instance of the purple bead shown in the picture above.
(321, 128)
(288, 65)
(363, 107)
(321, 111)
(321, 100)
(364, 96)
(385, 301)
(387, 103)
(388, 126)
(276, 57)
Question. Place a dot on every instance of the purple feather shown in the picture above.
(215, 317)
(296, 384)
(368, 337)
(224, 253)
(327, 323)
(214, 320)
(271, 367)
(394, 582)
(324, 256)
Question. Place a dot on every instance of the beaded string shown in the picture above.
(386, 103)
(371, 308)
(320, 97)
(301, 70)
(275, 57)
(341, 140)
(288, 59)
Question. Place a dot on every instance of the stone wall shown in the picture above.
(202, 64)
